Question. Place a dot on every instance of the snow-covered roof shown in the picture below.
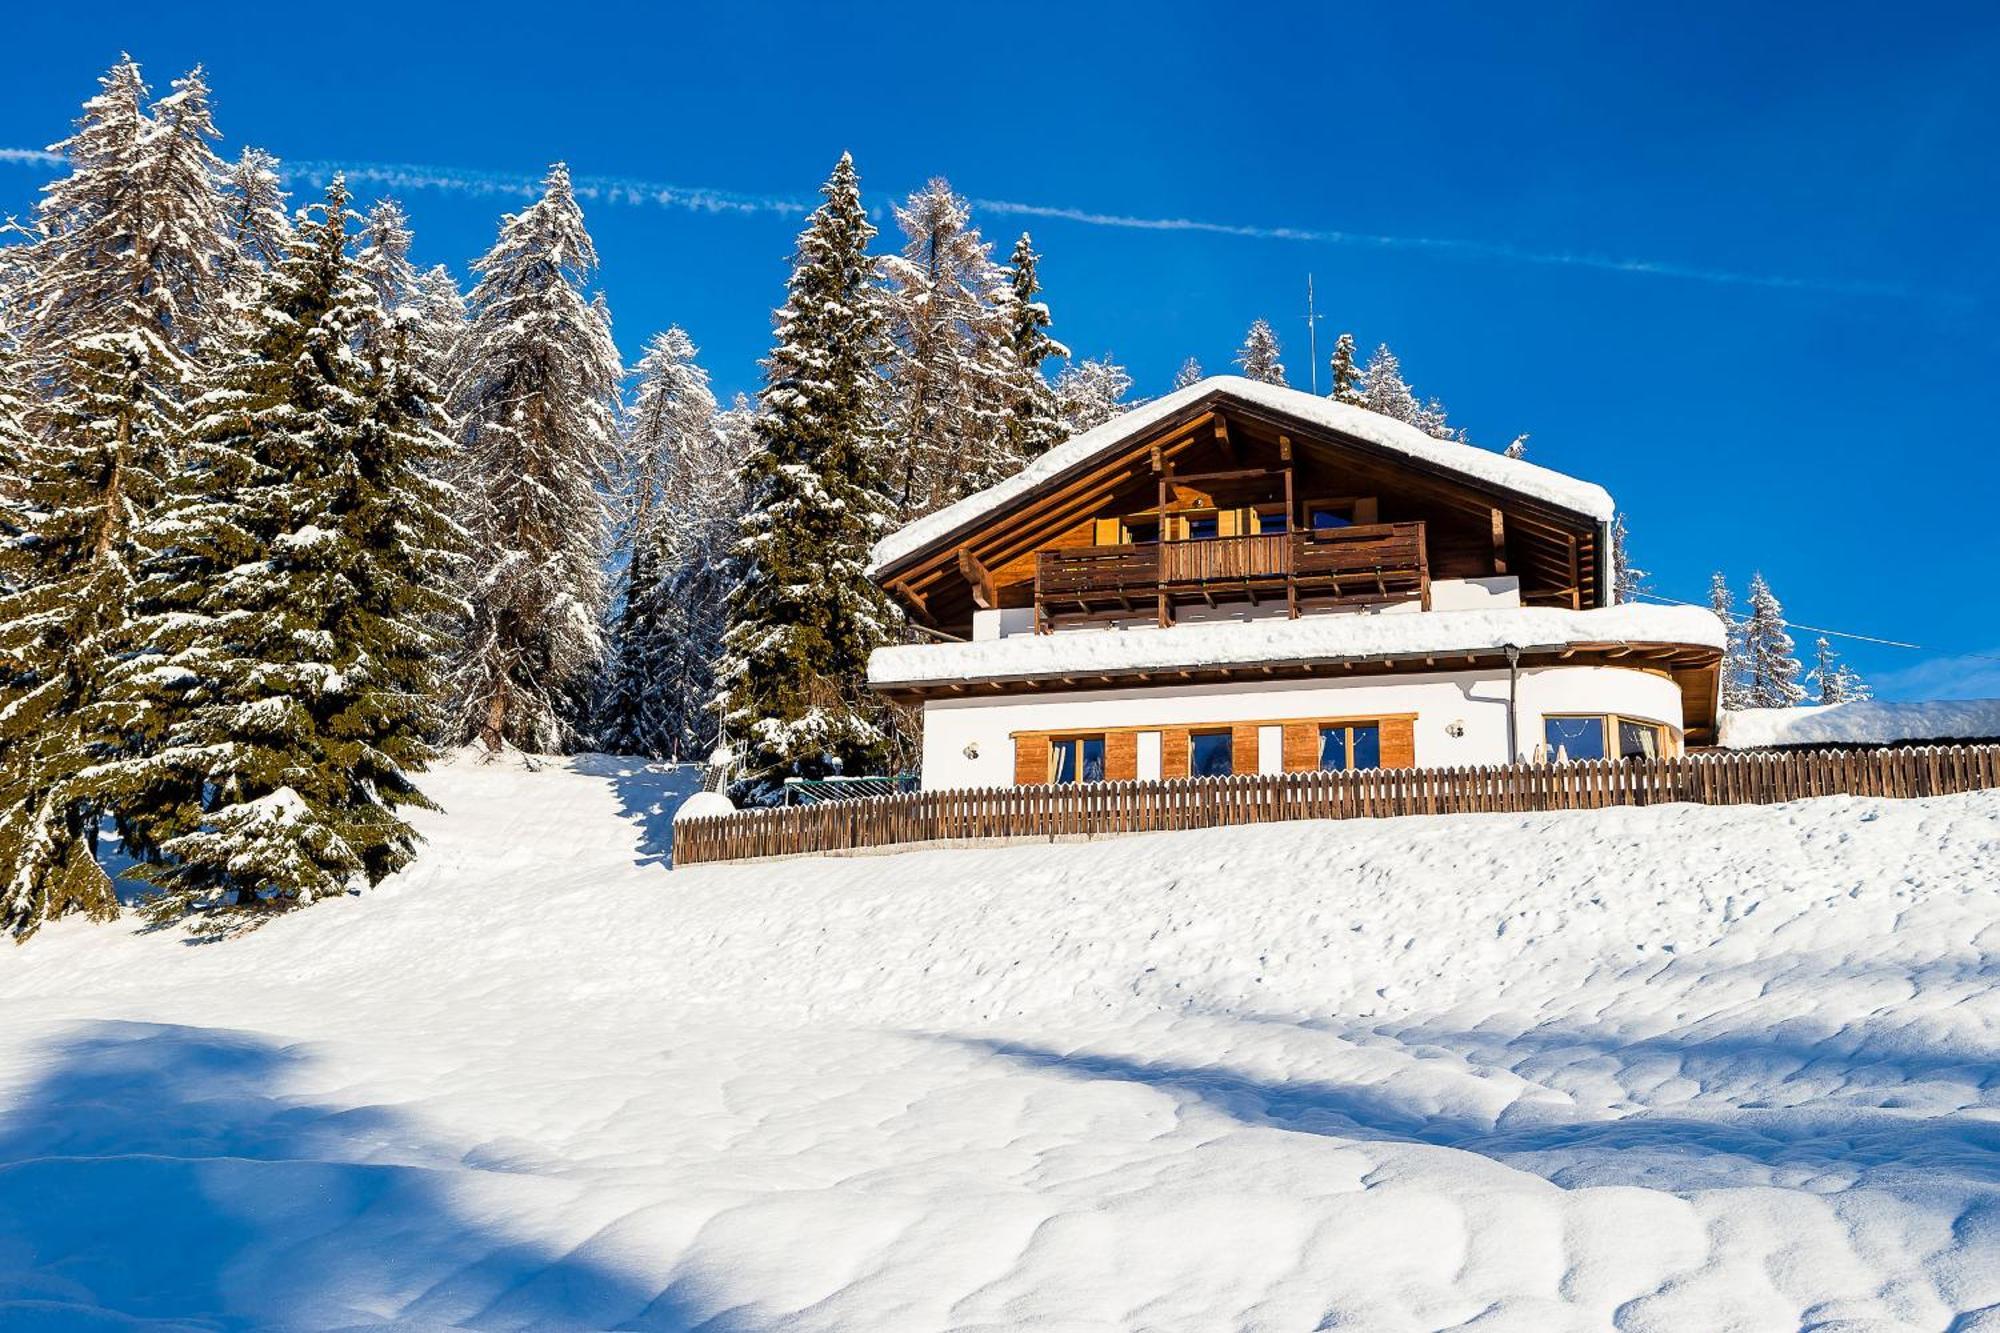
(1481, 465)
(1865, 722)
(1324, 638)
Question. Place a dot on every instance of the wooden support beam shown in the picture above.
(1499, 542)
(981, 578)
(1575, 579)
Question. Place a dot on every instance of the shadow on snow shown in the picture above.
(163, 1174)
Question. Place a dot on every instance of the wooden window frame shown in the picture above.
(1348, 725)
(1054, 740)
(1671, 736)
(1177, 741)
(1225, 730)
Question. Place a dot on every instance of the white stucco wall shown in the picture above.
(1475, 700)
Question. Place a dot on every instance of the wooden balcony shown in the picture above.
(1373, 564)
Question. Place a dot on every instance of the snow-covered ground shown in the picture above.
(1676, 1068)
(1863, 722)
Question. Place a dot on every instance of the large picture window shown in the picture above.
(1592, 736)
(1077, 759)
(1350, 746)
(1211, 754)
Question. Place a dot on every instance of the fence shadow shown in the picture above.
(162, 1173)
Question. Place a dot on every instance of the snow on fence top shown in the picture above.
(1865, 722)
(1328, 638)
(1482, 465)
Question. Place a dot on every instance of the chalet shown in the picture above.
(1245, 578)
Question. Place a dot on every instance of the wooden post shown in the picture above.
(1499, 542)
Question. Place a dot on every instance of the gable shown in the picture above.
(1226, 448)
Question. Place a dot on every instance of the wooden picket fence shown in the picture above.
(1100, 809)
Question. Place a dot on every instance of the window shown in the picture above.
(1077, 759)
(1200, 527)
(1324, 518)
(1350, 747)
(1142, 529)
(1574, 737)
(1210, 754)
(1641, 740)
(1271, 520)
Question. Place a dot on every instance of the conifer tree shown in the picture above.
(535, 403)
(1767, 647)
(951, 363)
(1189, 373)
(260, 224)
(295, 576)
(1518, 447)
(1628, 580)
(1735, 669)
(805, 615)
(667, 472)
(1091, 392)
(1833, 680)
(1032, 427)
(1259, 354)
(1383, 389)
(1347, 378)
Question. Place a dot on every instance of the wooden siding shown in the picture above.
(1121, 756)
(1100, 809)
(1031, 759)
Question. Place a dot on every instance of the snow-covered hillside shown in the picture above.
(1676, 1068)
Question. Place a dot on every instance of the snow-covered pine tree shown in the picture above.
(1259, 354)
(68, 565)
(133, 241)
(1383, 389)
(688, 610)
(667, 465)
(1032, 427)
(1091, 392)
(1628, 581)
(1347, 379)
(1518, 447)
(260, 224)
(1432, 420)
(1189, 373)
(1735, 669)
(949, 356)
(296, 576)
(805, 615)
(1767, 647)
(1832, 680)
(535, 403)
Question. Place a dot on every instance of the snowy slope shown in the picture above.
(1677, 1068)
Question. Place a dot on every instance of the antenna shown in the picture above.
(1312, 336)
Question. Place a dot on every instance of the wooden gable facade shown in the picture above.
(1227, 501)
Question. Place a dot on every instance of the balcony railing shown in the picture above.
(1370, 564)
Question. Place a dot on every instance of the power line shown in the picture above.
(1835, 633)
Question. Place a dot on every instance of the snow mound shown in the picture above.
(1480, 465)
(1308, 639)
(1655, 1069)
(1864, 722)
(704, 804)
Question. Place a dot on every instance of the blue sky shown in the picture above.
(1735, 263)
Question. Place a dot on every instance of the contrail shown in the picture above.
(702, 199)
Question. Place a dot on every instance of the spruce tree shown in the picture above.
(1189, 373)
(1347, 380)
(1032, 427)
(667, 471)
(1628, 581)
(1259, 354)
(1517, 447)
(260, 224)
(1091, 392)
(535, 403)
(951, 366)
(805, 615)
(1735, 667)
(1832, 680)
(296, 574)
(1383, 388)
(1767, 648)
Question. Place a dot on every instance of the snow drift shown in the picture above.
(1673, 1068)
